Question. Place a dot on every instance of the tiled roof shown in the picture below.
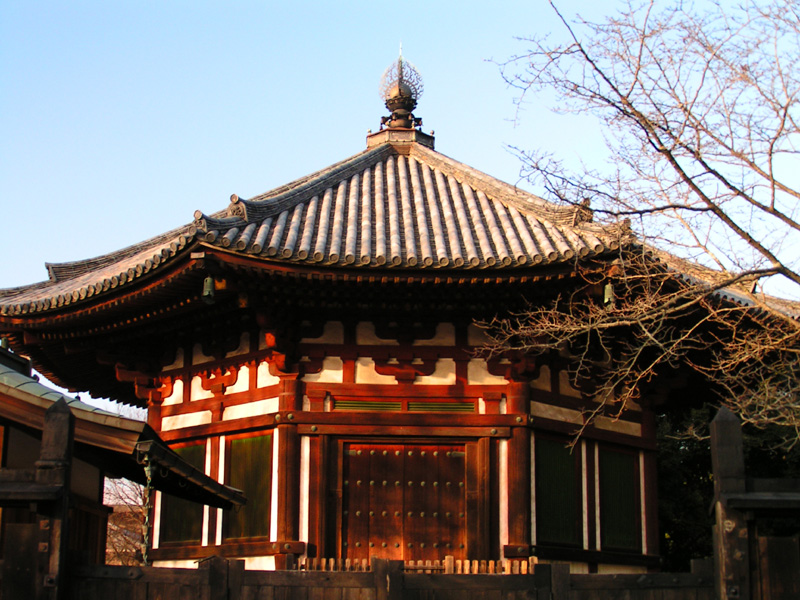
(76, 281)
(392, 206)
(28, 389)
(422, 210)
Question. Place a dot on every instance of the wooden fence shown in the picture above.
(220, 579)
(448, 566)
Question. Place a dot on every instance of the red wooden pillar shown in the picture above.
(288, 461)
(318, 508)
(519, 471)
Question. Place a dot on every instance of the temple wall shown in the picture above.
(232, 393)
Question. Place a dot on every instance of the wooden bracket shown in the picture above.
(405, 371)
(216, 380)
(514, 366)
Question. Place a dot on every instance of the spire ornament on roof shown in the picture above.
(401, 88)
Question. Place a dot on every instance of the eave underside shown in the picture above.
(93, 345)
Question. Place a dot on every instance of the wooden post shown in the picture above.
(559, 582)
(543, 582)
(388, 578)
(519, 490)
(731, 534)
(217, 568)
(288, 489)
(235, 579)
(53, 468)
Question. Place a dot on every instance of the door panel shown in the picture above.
(403, 501)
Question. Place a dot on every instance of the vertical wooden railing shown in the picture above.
(449, 566)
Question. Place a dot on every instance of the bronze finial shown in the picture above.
(401, 88)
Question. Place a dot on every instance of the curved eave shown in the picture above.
(97, 299)
(158, 284)
(398, 275)
(102, 277)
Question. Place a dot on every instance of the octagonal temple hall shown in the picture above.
(317, 346)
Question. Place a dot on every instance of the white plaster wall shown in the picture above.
(273, 513)
(579, 568)
(242, 381)
(250, 409)
(543, 381)
(365, 373)
(618, 426)
(476, 336)
(176, 397)
(503, 500)
(206, 508)
(176, 564)
(332, 333)
(201, 417)
(365, 336)
(259, 563)
(197, 392)
(558, 413)
(478, 374)
(264, 378)
(305, 461)
(221, 479)
(244, 346)
(445, 336)
(198, 357)
(445, 374)
(178, 363)
(621, 569)
(332, 371)
(565, 387)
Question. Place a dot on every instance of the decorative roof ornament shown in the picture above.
(401, 88)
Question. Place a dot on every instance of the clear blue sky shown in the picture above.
(119, 119)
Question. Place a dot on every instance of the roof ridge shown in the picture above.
(284, 197)
(502, 191)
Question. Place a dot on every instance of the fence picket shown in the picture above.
(449, 565)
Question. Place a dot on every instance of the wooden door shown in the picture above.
(403, 501)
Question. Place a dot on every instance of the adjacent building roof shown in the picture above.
(397, 205)
(116, 444)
